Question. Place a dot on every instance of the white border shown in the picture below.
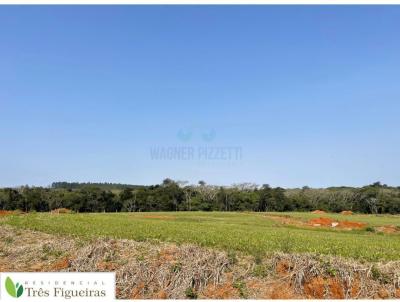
(207, 2)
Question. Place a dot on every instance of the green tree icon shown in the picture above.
(14, 290)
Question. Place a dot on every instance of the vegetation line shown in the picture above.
(180, 196)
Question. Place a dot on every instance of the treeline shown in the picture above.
(180, 196)
(101, 185)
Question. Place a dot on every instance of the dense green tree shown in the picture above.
(173, 195)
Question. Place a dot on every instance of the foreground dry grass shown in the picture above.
(160, 270)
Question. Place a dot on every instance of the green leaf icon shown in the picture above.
(10, 287)
(13, 290)
(20, 290)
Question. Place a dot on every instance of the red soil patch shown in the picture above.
(168, 255)
(351, 225)
(328, 222)
(281, 291)
(383, 293)
(221, 291)
(61, 264)
(355, 288)
(397, 294)
(346, 213)
(6, 213)
(318, 212)
(322, 221)
(274, 290)
(336, 289)
(320, 288)
(158, 217)
(224, 290)
(283, 267)
(315, 288)
(162, 294)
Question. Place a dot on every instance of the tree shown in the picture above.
(173, 195)
(265, 198)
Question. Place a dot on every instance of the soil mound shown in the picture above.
(328, 222)
(351, 225)
(346, 213)
(321, 221)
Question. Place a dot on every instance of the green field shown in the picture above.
(251, 233)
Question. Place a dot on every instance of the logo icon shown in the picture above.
(184, 135)
(14, 290)
(209, 136)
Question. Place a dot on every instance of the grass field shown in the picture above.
(251, 233)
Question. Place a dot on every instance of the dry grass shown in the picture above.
(333, 277)
(146, 270)
(22, 250)
(161, 270)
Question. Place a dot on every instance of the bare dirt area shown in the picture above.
(388, 229)
(287, 220)
(328, 222)
(321, 222)
(5, 213)
(331, 223)
(168, 271)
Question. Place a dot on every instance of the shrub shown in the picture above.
(370, 229)
(190, 293)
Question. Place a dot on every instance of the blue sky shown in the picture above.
(310, 94)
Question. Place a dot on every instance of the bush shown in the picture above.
(370, 229)
(190, 293)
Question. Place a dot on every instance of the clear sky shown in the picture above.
(309, 95)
